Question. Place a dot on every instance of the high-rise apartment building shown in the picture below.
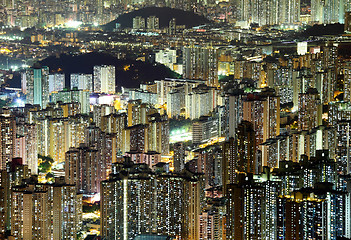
(56, 82)
(172, 26)
(75, 95)
(107, 146)
(83, 168)
(16, 173)
(82, 81)
(328, 12)
(269, 12)
(343, 146)
(115, 124)
(239, 154)
(233, 113)
(158, 134)
(244, 209)
(26, 145)
(105, 79)
(37, 80)
(347, 81)
(45, 211)
(175, 103)
(211, 224)
(201, 63)
(179, 157)
(136, 138)
(139, 23)
(348, 22)
(201, 101)
(289, 11)
(166, 57)
(144, 96)
(245, 156)
(263, 110)
(8, 139)
(309, 110)
(136, 201)
(153, 23)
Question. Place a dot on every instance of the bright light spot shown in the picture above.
(180, 136)
(19, 102)
(5, 50)
(106, 99)
(87, 216)
(96, 198)
(73, 24)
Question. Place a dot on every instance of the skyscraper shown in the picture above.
(289, 11)
(348, 22)
(347, 80)
(333, 11)
(263, 112)
(244, 209)
(15, 174)
(309, 110)
(115, 124)
(26, 145)
(158, 134)
(201, 62)
(152, 23)
(82, 81)
(104, 79)
(8, 139)
(134, 211)
(37, 80)
(73, 96)
(233, 112)
(56, 82)
(179, 157)
(139, 23)
(200, 102)
(245, 157)
(136, 200)
(172, 27)
(83, 168)
(45, 211)
(328, 12)
(317, 11)
(343, 147)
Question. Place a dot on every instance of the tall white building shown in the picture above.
(104, 79)
(79, 96)
(200, 102)
(327, 12)
(316, 11)
(174, 106)
(289, 11)
(24, 82)
(268, 12)
(167, 57)
(153, 23)
(56, 82)
(82, 81)
(334, 11)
